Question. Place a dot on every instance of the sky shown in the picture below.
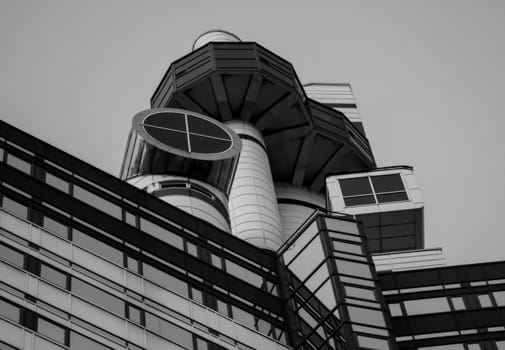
(428, 77)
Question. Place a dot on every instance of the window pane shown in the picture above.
(373, 343)
(485, 301)
(366, 316)
(426, 306)
(97, 202)
(361, 200)
(458, 303)
(342, 226)
(56, 182)
(392, 197)
(161, 233)
(9, 311)
(11, 255)
(79, 342)
(51, 330)
(163, 279)
(134, 314)
(360, 293)
(18, 163)
(54, 276)
(97, 296)
(353, 268)
(347, 247)
(387, 183)
(55, 227)
(15, 207)
(500, 298)
(97, 247)
(395, 309)
(169, 330)
(242, 316)
(357, 186)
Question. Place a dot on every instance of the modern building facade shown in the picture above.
(249, 214)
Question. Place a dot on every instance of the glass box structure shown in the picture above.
(226, 232)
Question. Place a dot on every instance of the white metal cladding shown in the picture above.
(215, 35)
(293, 215)
(409, 260)
(254, 214)
(199, 316)
(192, 205)
(335, 94)
(336, 200)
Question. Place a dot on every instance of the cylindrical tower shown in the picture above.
(214, 35)
(296, 204)
(185, 159)
(254, 214)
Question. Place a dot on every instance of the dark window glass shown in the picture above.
(97, 247)
(55, 227)
(54, 276)
(10, 311)
(161, 233)
(51, 330)
(204, 127)
(97, 202)
(97, 296)
(202, 144)
(174, 139)
(11, 255)
(165, 280)
(57, 182)
(408, 242)
(15, 207)
(80, 342)
(392, 197)
(359, 200)
(135, 314)
(167, 120)
(242, 316)
(387, 183)
(18, 163)
(169, 330)
(354, 187)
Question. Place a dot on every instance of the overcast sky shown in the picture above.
(428, 77)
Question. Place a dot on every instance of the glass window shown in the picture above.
(458, 303)
(97, 202)
(341, 236)
(98, 247)
(308, 259)
(360, 293)
(135, 314)
(132, 264)
(395, 309)
(426, 306)
(15, 207)
(54, 276)
(80, 342)
(163, 279)
(51, 330)
(243, 273)
(355, 187)
(485, 301)
(343, 226)
(242, 316)
(373, 343)
(11, 255)
(57, 182)
(10, 311)
(499, 297)
(169, 330)
(295, 247)
(55, 227)
(366, 316)
(161, 233)
(347, 247)
(387, 183)
(97, 296)
(353, 268)
(18, 163)
(326, 295)
(359, 281)
(202, 344)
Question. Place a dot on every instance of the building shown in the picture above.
(250, 214)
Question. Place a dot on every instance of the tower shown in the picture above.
(249, 214)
